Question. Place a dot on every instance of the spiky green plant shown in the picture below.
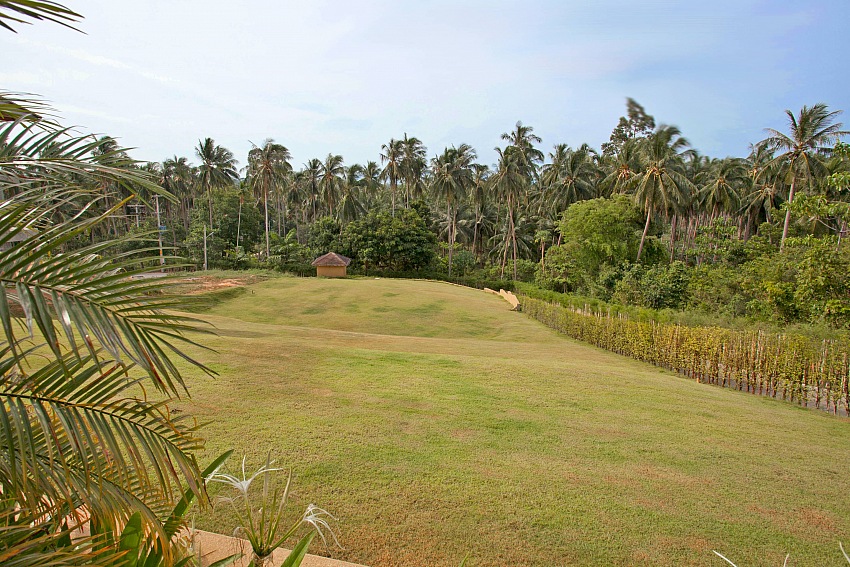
(787, 557)
(261, 519)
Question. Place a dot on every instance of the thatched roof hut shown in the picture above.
(331, 265)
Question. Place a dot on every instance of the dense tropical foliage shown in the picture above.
(727, 236)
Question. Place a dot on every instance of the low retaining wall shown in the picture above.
(212, 547)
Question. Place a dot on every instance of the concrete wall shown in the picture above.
(331, 271)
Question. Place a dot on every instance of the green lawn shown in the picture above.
(434, 422)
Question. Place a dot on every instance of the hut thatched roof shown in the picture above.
(331, 259)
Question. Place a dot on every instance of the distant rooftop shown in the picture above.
(331, 259)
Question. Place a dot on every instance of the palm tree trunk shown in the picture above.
(278, 207)
(239, 223)
(266, 207)
(543, 256)
(513, 238)
(475, 237)
(184, 214)
(451, 244)
(209, 194)
(787, 215)
(643, 236)
(673, 237)
(504, 256)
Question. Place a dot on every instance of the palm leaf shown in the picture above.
(20, 11)
(80, 342)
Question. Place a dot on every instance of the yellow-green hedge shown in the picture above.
(806, 371)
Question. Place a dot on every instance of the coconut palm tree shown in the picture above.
(510, 183)
(311, 176)
(217, 169)
(371, 178)
(453, 176)
(178, 178)
(392, 154)
(332, 176)
(529, 156)
(568, 179)
(350, 207)
(268, 169)
(662, 183)
(811, 135)
(413, 164)
(480, 196)
(12, 13)
(727, 178)
(624, 165)
(696, 169)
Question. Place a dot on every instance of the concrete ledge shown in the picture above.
(212, 547)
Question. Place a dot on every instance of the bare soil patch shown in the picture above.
(198, 285)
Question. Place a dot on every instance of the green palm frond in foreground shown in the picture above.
(81, 345)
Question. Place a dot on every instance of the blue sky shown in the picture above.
(346, 76)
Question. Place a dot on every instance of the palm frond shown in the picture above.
(21, 11)
(91, 439)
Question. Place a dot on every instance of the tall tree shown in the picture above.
(413, 164)
(453, 176)
(529, 157)
(510, 182)
(764, 187)
(811, 135)
(178, 178)
(481, 200)
(217, 169)
(570, 177)
(311, 178)
(623, 165)
(371, 178)
(392, 155)
(518, 164)
(662, 184)
(332, 176)
(268, 168)
(350, 207)
(726, 181)
(636, 124)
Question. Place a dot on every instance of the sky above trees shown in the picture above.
(345, 77)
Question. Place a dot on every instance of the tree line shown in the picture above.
(507, 218)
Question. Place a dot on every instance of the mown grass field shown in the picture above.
(434, 422)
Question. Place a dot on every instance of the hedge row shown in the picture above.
(803, 370)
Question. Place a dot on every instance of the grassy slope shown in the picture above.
(434, 422)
